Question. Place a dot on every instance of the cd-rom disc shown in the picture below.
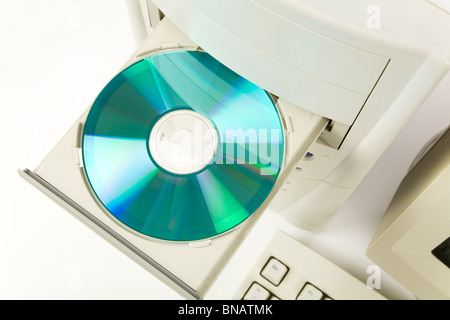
(179, 147)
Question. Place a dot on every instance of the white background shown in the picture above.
(56, 55)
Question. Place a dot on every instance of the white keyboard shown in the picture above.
(288, 270)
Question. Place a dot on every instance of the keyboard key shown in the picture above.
(257, 292)
(274, 271)
(309, 292)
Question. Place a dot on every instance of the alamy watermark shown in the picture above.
(73, 281)
(73, 20)
(260, 147)
(373, 21)
(252, 146)
(374, 279)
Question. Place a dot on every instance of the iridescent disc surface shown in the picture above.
(182, 207)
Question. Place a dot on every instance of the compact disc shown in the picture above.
(179, 147)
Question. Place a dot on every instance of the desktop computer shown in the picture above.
(231, 109)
